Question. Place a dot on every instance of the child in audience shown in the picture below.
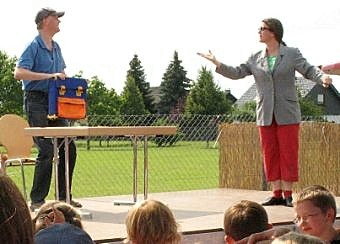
(151, 222)
(43, 219)
(244, 219)
(315, 209)
(63, 233)
(15, 219)
(59, 223)
(296, 238)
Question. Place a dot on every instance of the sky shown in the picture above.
(101, 37)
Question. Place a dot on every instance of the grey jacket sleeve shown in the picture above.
(306, 69)
(234, 73)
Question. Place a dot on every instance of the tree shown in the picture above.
(174, 87)
(136, 71)
(100, 100)
(309, 108)
(11, 94)
(206, 97)
(132, 100)
(246, 113)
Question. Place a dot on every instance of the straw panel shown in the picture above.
(241, 161)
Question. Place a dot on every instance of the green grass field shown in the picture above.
(107, 170)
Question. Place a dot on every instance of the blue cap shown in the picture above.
(64, 233)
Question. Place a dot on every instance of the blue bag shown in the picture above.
(67, 98)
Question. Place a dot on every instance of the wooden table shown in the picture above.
(67, 133)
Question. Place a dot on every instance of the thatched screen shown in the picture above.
(241, 160)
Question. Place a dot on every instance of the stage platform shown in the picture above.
(199, 211)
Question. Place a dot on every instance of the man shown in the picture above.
(41, 62)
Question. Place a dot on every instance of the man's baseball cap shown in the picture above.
(45, 12)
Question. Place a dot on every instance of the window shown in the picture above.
(320, 99)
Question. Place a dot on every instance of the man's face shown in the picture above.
(51, 23)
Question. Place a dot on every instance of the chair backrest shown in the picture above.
(13, 137)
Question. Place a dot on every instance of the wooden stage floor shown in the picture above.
(194, 210)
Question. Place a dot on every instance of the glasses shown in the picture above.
(305, 218)
(264, 28)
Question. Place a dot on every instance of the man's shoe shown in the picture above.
(73, 203)
(36, 205)
(274, 201)
(76, 204)
(288, 202)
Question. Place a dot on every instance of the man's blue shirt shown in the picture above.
(37, 58)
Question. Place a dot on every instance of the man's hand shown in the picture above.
(56, 76)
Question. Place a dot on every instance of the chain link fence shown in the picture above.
(186, 161)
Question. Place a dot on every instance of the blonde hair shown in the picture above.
(151, 222)
(296, 238)
(70, 213)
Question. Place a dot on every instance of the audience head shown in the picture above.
(71, 215)
(244, 219)
(315, 209)
(15, 219)
(296, 238)
(151, 222)
(63, 233)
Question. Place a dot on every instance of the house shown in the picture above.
(329, 98)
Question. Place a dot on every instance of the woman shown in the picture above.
(278, 111)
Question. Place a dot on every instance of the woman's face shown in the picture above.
(265, 33)
(311, 220)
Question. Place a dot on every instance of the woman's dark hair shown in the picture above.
(15, 218)
(276, 27)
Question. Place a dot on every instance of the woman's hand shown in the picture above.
(211, 57)
(326, 81)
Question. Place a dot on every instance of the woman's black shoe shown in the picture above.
(274, 201)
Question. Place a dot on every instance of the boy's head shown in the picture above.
(315, 209)
(244, 219)
(151, 221)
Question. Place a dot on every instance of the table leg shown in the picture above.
(67, 178)
(146, 168)
(135, 169)
(56, 163)
(134, 144)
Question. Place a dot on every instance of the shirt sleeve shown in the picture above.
(26, 59)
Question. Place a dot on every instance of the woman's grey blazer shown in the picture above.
(276, 93)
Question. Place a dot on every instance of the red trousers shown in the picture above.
(280, 147)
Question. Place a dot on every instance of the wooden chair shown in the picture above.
(18, 145)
